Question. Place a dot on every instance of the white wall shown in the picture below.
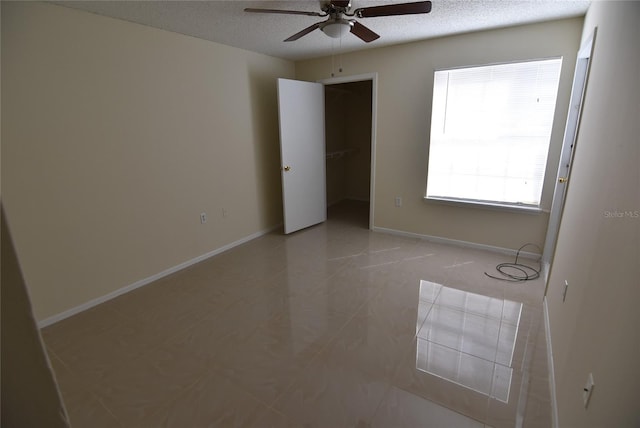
(598, 253)
(116, 136)
(405, 80)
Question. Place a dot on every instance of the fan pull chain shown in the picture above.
(340, 55)
(333, 55)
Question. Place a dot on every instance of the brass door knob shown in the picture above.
(562, 180)
(287, 168)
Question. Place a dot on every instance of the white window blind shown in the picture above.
(490, 132)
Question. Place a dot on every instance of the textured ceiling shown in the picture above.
(225, 21)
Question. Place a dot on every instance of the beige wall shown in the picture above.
(405, 79)
(116, 136)
(596, 329)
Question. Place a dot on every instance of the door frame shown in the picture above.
(569, 145)
(373, 77)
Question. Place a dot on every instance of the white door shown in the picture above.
(568, 147)
(302, 153)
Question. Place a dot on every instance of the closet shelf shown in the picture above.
(337, 154)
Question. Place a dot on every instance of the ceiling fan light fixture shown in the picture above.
(336, 29)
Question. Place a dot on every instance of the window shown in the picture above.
(490, 132)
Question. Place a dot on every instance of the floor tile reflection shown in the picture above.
(331, 326)
(468, 339)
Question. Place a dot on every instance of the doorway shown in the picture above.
(349, 136)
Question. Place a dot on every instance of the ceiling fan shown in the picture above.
(337, 25)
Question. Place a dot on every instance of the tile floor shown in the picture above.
(331, 326)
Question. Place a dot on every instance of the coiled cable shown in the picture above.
(516, 272)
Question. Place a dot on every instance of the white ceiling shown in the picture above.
(225, 21)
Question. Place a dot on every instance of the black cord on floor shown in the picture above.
(516, 272)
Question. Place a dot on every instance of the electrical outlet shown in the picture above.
(203, 218)
(398, 201)
(224, 212)
(588, 390)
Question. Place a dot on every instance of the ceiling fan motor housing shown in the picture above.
(329, 6)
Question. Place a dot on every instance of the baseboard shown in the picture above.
(94, 302)
(552, 376)
(466, 244)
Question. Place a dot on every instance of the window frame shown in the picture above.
(488, 204)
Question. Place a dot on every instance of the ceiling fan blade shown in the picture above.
(394, 9)
(284, 12)
(303, 32)
(363, 32)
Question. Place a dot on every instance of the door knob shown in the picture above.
(287, 168)
(562, 180)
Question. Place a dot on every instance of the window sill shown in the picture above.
(525, 209)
